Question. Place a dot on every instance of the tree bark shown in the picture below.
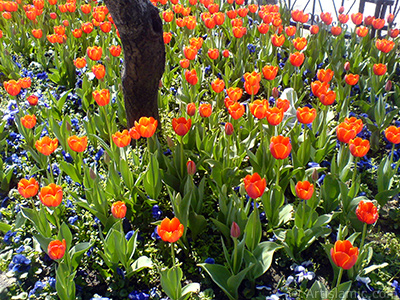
(141, 32)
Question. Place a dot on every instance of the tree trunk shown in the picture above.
(141, 33)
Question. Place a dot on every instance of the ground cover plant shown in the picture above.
(272, 172)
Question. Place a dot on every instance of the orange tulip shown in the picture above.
(118, 210)
(170, 230)
(205, 110)
(80, 62)
(283, 104)
(336, 30)
(86, 8)
(28, 188)
(99, 71)
(378, 23)
(46, 145)
(191, 109)
(218, 85)
(346, 132)
(87, 27)
(280, 147)
(167, 36)
(56, 249)
(297, 15)
(319, 88)
(362, 31)
(115, 50)
(254, 185)
(304, 190)
(234, 93)
(239, 32)
(77, 33)
(180, 22)
(274, 115)
(37, 33)
(236, 110)
(33, 100)
(379, 69)
(368, 20)
(121, 139)
(25, 82)
(300, 43)
(296, 59)
(392, 133)
(356, 123)
(253, 78)
(343, 18)
(51, 195)
(181, 126)
(134, 133)
(263, 28)
(237, 23)
(184, 63)
(277, 40)
(77, 144)
(325, 75)
(259, 108)
(384, 45)
(28, 121)
(146, 126)
(351, 79)
(306, 115)
(213, 53)
(101, 97)
(367, 212)
(357, 18)
(270, 72)
(344, 255)
(196, 42)
(326, 18)
(394, 33)
(314, 29)
(168, 16)
(12, 87)
(328, 98)
(94, 53)
(190, 52)
(290, 30)
(191, 77)
(359, 147)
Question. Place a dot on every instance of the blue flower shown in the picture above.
(156, 212)
(52, 282)
(251, 48)
(20, 249)
(135, 295)
(8, 237)
(129, 234)
(209, 260)
(19, 263)
(89, 252)
(72, 220)
(99, 154)
(155, 235)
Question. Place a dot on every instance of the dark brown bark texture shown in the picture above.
(141, 32)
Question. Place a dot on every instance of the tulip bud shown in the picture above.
(225, 53)
(170, 142)
(275, 92)
(235, 230)
(341, 9)
(92, 174)
(228, 128)
(390, 18)
(388, 86)
(191, 167)
(106, 158)
(160, 84)
(347, 66)
(314, 175)
(69, 127)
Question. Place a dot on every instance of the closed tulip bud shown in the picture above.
(170, 142)
(107, 158)
(228, 128)
(341, 9)
(92, 174)
(388, 86)
(191, 167)
(390, 18)
(275, 92)
(315, 175)
(191, 109)
(68, 125)
(235, 230)
(346, 66)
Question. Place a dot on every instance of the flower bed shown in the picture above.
(275, 165)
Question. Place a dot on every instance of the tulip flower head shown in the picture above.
(235, 230)
(51, 195)
(28, 188)
(56, 249)
(359, 147)
(367, 212)
(392, 133)
(102, 97)
(170, 230)
(304, 190)
(254, 185)
(28, 121)
(205, 110)
(121, 139)
(118, 210)
(181, 126)
(344, 255)
(77, 144)
(306, 115)
(46, 145)
(280, 147)
(346, 132)
(146, 126)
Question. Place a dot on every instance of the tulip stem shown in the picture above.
(278, 171)
(235, 254)
(353, 180)
(182, 159)
(173, 254)
(51, 169)
(364, 233)
(339, 277)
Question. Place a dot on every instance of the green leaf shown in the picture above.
(253, 230)
(4, 227)
(220, 274)
(193, 287)
(341, 292)
(171, 282)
